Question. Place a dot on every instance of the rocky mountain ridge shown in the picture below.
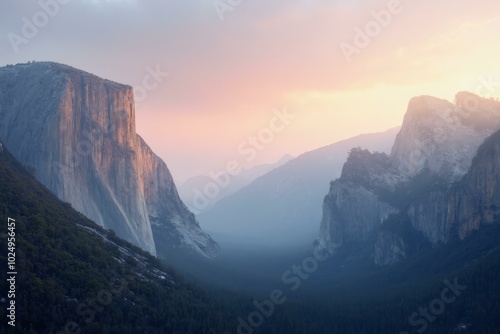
(435, 186)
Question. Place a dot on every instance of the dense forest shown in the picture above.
(75, 277)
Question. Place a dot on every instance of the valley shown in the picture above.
(249, 167)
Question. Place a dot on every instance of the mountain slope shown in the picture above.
(192, 192)
(71, 272)
(282, 207)
(77, 133)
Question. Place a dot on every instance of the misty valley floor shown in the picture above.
(348, 294)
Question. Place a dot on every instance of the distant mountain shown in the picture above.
(193, 193)
(76, 277)
(283, 207)
(435, 187)
(76, 132)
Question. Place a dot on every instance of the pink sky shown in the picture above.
(228, 77)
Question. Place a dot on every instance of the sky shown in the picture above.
(252, 80)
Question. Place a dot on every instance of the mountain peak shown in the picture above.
(442, 136)
(426, 104)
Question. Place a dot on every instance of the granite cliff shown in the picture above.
(439, 183)
(76, 132)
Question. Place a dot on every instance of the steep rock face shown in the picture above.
(352, 209)
(345, 222)
(77, 131)
(173, 225)
(443, 213)
(444, 137)
(424, 178)
(479, 198)
(474, 201)
(390, 248)
(429, 214)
